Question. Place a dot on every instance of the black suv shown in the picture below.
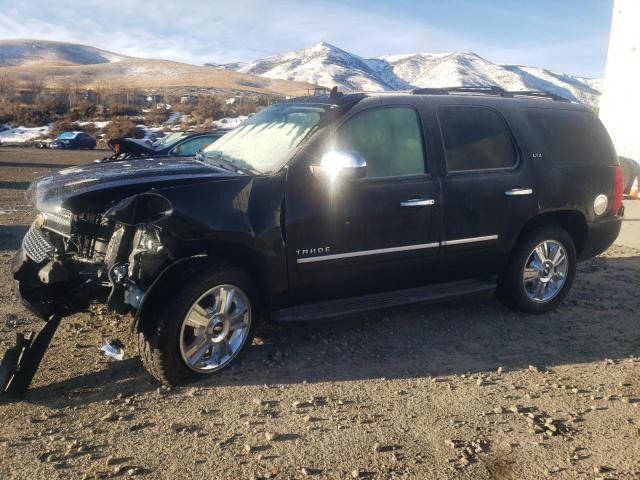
(325, 206)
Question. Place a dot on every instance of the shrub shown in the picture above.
(82, 111)
(122, 110)
(30, 116)
(208, 108)
(121, 127)
(156, 116)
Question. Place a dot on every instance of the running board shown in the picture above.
(378, 301)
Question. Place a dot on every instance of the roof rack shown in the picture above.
(539, 93)
(489, 90)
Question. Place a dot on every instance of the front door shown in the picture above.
(371, 234)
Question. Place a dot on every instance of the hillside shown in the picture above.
(21, 53)
(56, 63)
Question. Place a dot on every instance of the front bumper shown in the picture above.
(40, 299)
(601, 236)
(61, 298)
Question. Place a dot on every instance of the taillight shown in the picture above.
(116, 147)
(617, 191)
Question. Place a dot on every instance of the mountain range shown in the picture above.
(327, 65)
(292, 73)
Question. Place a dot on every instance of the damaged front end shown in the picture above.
(69, 260)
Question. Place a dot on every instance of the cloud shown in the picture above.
(243, 30)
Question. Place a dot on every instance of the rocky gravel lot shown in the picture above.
(464, 390)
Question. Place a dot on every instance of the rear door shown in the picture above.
(372, 234)
(489, 190)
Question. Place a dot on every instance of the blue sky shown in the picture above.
(570, 36)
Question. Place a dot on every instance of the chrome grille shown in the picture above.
(36, 245)
(59, 222)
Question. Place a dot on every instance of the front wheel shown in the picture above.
(205, 328)
(541, 270)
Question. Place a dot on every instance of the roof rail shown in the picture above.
(539, 93)
(489, 90)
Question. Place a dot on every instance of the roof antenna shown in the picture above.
(335, 95)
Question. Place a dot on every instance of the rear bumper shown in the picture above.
(601, 236)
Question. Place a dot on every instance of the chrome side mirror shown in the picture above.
(336, 164)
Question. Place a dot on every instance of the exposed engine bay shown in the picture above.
(118, 252)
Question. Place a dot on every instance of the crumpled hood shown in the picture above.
(110, 181)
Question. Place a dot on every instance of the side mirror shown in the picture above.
(335, 164)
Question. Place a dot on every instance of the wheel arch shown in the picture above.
(180, 271)
(573, 221)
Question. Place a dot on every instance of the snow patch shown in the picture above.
(18, 135)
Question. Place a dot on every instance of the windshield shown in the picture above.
(67, 136)
(168, 139)
(263, 142)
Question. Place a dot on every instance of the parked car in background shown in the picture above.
(74, 141)
(325, 206)
(175, 144)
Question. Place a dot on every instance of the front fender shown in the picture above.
(162, 287)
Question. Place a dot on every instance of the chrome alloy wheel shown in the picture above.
(545, 271)
(215, 328)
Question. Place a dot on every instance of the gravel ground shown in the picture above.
(465, 390)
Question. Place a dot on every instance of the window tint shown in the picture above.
(193, 146)
(389, 138)
(571, 137)
(476, 138)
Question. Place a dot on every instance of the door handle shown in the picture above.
(418, 202)
(515, 191)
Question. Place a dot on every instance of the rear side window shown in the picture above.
(389, 138)
(571, 137)
(476, 138)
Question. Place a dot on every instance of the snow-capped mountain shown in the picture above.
(327, 65)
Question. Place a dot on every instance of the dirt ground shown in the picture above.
(464, 390)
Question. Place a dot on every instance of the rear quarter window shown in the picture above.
(571, 137)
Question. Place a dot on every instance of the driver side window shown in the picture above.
(389, 139)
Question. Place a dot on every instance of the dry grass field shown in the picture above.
(142, 73)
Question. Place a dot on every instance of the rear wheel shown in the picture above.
(540, 271)
(206, 327)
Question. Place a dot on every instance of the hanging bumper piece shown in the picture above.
(21, 362)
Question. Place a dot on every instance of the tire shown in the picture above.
(163, 346)
(528, 295)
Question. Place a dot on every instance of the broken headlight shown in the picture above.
(147, 239)
(147, 256)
